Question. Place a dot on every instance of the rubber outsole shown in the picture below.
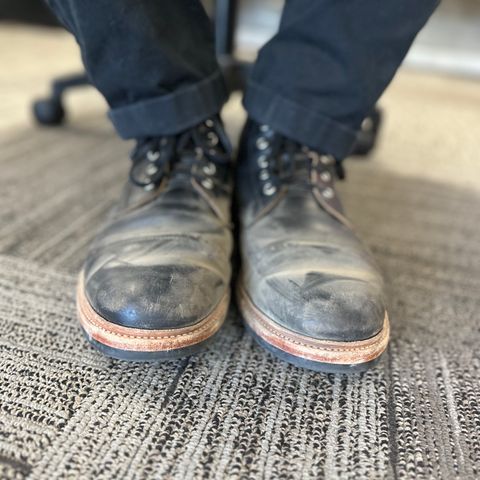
(135, 344)
(319, 355)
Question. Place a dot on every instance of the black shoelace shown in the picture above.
(285, 161)
(202, 152)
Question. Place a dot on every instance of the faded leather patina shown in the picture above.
(162, 261)
(303, 267)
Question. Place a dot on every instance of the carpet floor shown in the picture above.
(235, 412)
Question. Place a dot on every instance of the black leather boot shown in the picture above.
(309, 291)
(156, 281)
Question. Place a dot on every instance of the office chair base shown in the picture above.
(49, 111)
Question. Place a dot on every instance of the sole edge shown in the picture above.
(127, 343)
(306, 352)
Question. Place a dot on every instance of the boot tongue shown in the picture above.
(295, 168)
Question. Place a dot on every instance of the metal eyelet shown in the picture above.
(313, 156)
(153, 156)
(209, 169)
(149, 187)
(264, 128)
(326, 177)
(209, 123)
(207, 183)
(212, 139)
(327, 159)
(263, 175)
(151, 169)
(328, 193)
(269, 189)
(367, 124)
(262, 143)
(262, 161)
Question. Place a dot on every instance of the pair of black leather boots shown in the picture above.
(156, 283)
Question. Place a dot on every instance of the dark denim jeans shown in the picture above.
(314, 81)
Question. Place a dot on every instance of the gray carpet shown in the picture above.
(234, 411)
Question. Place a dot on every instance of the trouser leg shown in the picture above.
(330, 61)
(153, 61)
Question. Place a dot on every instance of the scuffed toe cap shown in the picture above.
(154, 297)
(322, 305)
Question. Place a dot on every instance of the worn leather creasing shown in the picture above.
(303, 266)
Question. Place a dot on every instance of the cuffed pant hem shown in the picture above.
(298, 122)
(172, 113)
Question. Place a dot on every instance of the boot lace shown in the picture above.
(283, 161)
(202, 152)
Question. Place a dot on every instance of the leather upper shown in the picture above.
(163, 258)
(302, 264)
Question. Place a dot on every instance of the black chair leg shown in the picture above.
(225, 21)
(50, 110)
(234, 71)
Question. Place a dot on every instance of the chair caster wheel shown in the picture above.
(48, 111)
(367, 136)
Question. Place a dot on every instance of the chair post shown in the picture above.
(225, 20)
